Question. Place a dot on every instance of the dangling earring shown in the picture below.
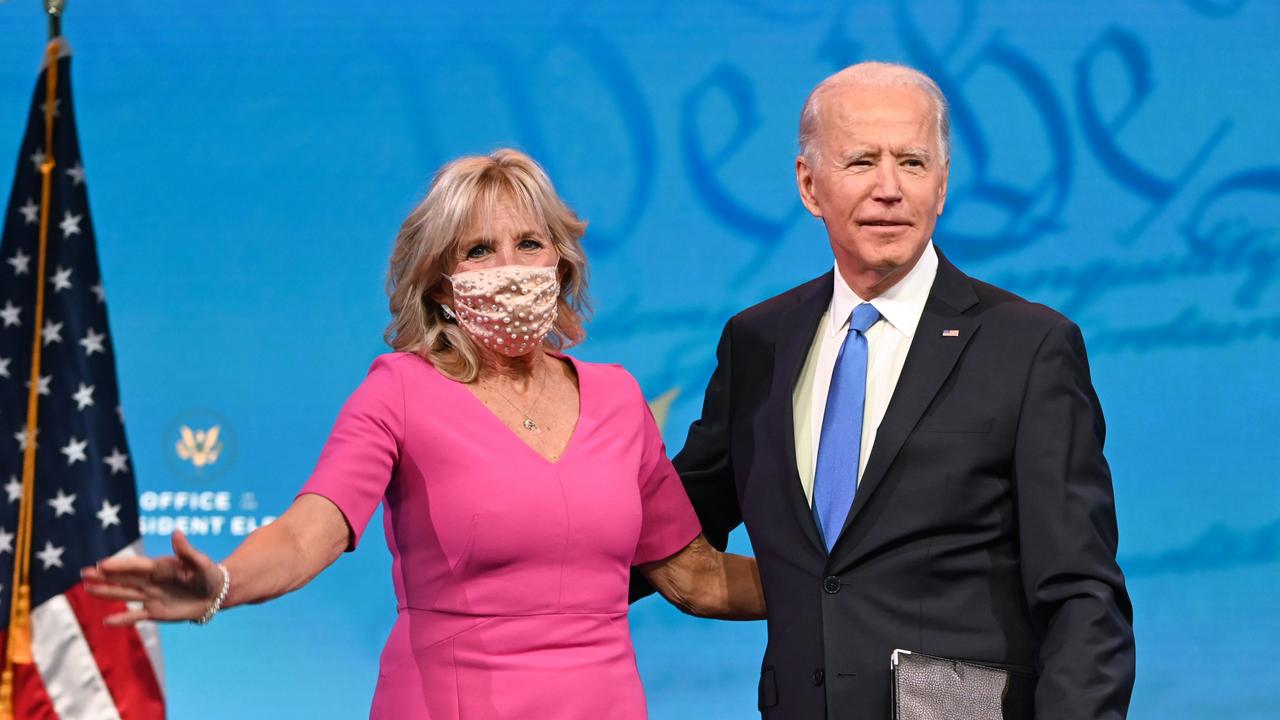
(448, 313)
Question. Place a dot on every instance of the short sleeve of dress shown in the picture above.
(361, 453)
(668, 521)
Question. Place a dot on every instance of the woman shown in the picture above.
(519, 484)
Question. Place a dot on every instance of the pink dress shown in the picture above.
(510, 571)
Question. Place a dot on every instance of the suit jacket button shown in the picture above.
(818, 677)
(831, 584)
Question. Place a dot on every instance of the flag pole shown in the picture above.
(54, 8)
(18, 640)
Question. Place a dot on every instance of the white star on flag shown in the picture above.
(61, 279)
(10, 313)
(83, 396)
(30, 212)
(62, 504)
(92, 342)
(109, 514)
(6, 541)
(21, 437)
(37, 158)
(43, 388)
(76, 173)
(74, 450)
(21, 262)
(13, 488)
(52, 332)
(70, 223)
(117, 460)
(97, 290)
(57, 106)
(4, 367)
(51, 556)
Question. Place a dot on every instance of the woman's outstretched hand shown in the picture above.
(178, 587)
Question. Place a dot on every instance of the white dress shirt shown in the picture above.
(888, 341)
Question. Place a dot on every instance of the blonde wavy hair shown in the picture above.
(428, 246)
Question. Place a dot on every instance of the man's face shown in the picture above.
(879, 180)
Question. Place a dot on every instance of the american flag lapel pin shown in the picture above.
(950, 333)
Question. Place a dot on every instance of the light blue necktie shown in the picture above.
(835, 480)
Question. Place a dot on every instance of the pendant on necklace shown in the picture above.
(530, 425)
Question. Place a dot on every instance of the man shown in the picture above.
(917, 455)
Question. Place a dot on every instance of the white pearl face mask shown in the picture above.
(508, 309)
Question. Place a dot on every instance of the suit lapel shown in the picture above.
(797, 328)
(929, 362)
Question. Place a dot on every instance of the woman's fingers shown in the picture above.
(104, 574)
(94, 577)
(114, 592)
(198, 570)
(133, 564)
(185, 552)
(128, 617)
(160, 578)
(140, 572)
(134, 575)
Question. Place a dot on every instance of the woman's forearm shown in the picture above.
(285, 555)
(742, 595)
(705, 582)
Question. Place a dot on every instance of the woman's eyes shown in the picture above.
(479, 250)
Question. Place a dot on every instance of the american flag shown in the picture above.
(85, 497)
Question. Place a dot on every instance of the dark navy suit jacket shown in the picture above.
(983, 529)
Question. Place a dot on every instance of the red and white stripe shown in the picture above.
(84, 669)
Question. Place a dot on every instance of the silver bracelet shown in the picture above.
(216, 605)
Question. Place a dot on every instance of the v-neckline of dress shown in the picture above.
(573, 434)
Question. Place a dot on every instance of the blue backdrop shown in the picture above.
(249, 164)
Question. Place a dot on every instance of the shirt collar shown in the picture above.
(901, 305)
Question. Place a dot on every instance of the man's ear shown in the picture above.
(804, 183)
(942, 190)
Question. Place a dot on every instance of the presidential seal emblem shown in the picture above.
(199, 445)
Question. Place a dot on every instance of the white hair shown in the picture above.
(873, 74)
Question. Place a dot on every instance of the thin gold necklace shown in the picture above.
(529, 423)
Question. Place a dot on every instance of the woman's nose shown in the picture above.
(505, 255)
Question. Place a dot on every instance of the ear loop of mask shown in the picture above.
(449, 314)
